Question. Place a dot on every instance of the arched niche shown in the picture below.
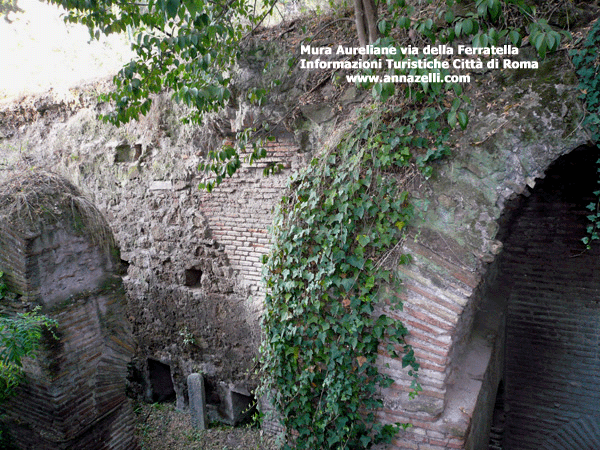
(542, 295)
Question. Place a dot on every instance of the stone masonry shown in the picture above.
(194, 259)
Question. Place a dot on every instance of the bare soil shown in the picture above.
(161, 427)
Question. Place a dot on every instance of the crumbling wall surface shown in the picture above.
(194, 258)
(73, 396)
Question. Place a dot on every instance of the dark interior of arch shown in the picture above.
(549, 287)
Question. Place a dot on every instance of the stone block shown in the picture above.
(158, 185)
(197, 396)
(236, 403)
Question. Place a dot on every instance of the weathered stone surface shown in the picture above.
(197, 396)
(236, 404)
(318, 113)
(194, 260)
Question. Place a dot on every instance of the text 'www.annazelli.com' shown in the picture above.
(432, 77)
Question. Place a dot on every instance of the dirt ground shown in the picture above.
(161, 427)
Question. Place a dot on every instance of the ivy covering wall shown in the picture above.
(331, 276)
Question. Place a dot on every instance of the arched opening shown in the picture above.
(549, 288)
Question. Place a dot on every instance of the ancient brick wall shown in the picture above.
(194, 259)
(201, 252)
(553, 314)
(455, 316)
(73, 395)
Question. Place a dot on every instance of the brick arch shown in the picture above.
(519, 123)
(581, 434)
(453, 308)
(73, 395)
(458, 316)
(548, 288)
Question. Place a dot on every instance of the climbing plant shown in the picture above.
(330, 277)
(327, 279)
(587, 63)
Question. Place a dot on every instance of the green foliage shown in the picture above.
(327, 282)
(587, 62)
(3, 286)
(188, 47)
(19, 338)
(185, 46)
(485, 23)
(227, 159)
(331, 280)
(330, 295)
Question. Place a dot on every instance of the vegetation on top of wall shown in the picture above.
(32, 199)
(587, 62)
(186, 47)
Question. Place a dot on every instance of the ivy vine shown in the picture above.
(331, 275)
(587, 63)
(325, 278)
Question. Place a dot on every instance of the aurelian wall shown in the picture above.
(73, 394)
(552, 328)
(194, 259)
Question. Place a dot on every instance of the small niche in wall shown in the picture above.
(161, 382)
(123, 153)
(193, 277)
(123, 267)
(127, 153)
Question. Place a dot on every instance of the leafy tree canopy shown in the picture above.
(185, 46)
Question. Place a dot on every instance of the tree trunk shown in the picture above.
(359, 18)
(370, 10)
(365, 16)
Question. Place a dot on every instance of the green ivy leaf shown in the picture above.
(463, 119)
